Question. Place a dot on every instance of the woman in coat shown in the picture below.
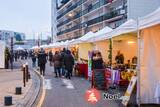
(57, 63)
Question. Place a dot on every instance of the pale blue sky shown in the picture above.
(26, 16)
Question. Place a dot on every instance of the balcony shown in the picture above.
(99, 19)
(68, 10)
(71, 8)
(63, 3)
(88, 10)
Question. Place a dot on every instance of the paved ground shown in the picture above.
(61, 92)
(8, 81)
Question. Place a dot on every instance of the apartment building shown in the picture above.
(74, 18)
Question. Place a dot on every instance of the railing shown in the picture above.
(99, 19)
(71, 8)
(88, 10)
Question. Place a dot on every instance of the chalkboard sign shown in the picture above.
(99, 78)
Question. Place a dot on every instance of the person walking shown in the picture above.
(16, 55)
(7, 58)
(57, 64)
(42, 60)
(68, 63)
(33, 59)
(63, 53)
(50, 57)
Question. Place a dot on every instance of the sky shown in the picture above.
(26, 16)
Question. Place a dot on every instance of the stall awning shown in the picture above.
(150, 20)
(127, 27)
(100, 34)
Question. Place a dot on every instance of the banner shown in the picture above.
(89, 64)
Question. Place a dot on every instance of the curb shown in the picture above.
(34, 93)
(42, 92)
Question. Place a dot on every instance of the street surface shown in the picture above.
(61, 92)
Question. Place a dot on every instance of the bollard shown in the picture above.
(24, 76)
(8, 100)
(26, 72)
(18, 90)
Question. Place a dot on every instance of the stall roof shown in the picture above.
(86, 37)
(150, 20)
(19, 48)
(128, 27)
(100, 34)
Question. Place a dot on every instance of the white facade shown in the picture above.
(96, 18)
(6, 36)
(54, 20)
(2, 54)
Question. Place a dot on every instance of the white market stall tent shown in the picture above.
(122, 38)
(2, 54)
(128, 27)
(19, 48)
(150, 20)
(99, 35)
(150, 58)
(85, 38)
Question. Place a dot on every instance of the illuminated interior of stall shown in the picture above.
(126, 44)
(83, 50)
(74, 49)
(50, 49)
(103, 47)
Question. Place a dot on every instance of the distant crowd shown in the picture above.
(16, 55)
(63, 62)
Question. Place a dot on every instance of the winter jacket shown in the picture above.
(68, 61)
(57, 60)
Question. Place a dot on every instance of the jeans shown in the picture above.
(69, 73)
(58, 70)
(33, 64)
(63, 71)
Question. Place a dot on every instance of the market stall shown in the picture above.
(2, 54)
(124, 40)
(103, 47)
(149, 85)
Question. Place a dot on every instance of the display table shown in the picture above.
(114, 76)
(82, 69)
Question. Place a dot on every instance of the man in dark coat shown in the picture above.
(50, 57)
(68, 63)
(42, 60)
(33, 59)
(63, 53)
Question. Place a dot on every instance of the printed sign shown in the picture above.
(128, 93)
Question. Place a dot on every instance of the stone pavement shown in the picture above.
(9, 80)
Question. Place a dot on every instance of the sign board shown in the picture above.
(2, 54)
(128, 93)
(99, 78)
(90, 64)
